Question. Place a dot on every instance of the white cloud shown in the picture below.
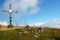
(3, 23)
(34, 10)
(36, 24)
(54, 23)
(24, 5)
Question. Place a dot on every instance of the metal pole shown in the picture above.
(10, 19)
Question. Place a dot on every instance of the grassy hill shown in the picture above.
(47, 34)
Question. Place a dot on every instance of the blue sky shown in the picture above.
(38, 11)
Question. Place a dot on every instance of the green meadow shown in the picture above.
(47, 34)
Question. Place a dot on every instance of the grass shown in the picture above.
(9, 35)
(47, 34)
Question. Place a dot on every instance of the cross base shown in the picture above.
(10, 26)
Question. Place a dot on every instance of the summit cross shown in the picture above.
(10, 11)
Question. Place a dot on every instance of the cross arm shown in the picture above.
(5, 10)
(10, 6)
(15, 11)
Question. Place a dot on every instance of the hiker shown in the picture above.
(27, 26)
(40, 29)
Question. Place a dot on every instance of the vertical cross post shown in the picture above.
(10, 14)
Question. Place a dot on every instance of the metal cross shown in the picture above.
(10, 14)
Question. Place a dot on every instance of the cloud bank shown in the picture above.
(3, 23)
(54, 23)
(24, 7)
(37, 24)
